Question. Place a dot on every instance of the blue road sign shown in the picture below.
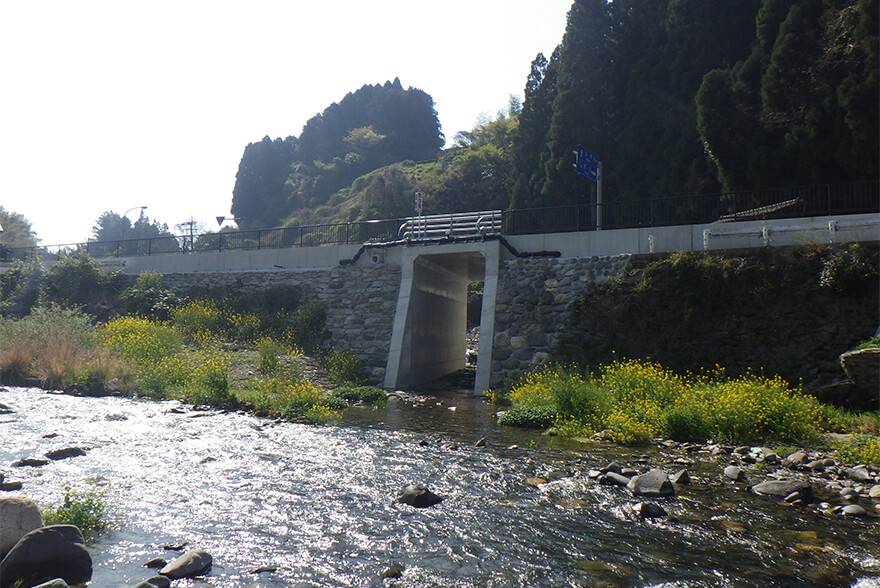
(587, 163)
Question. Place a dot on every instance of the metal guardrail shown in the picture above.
(791, 202)
(435, 227)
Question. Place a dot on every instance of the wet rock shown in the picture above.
(57, 551)
(175, 547)
(30, 462)
(735, 473)
(535, 481)
(849, 494)
(874, 492)
(156, 562)
(49, 436)
(649, 510)
(65, 453)
(418, 496)
(480, 442)
(18, 517)
(395, 570)
(681, 478)
(613, 467)
(783, 489)
(612, 479)
(554, 475)
(56, 583)
(628, 472)
(857, 474)
(5, 409)
(10, 486)
(853, 510)
(653, 483)
(154, 582)
(794, 459)
(263, 570)
(195, 562)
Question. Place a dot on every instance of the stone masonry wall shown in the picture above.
(361, 301)
(532, 303)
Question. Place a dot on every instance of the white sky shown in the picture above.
(108, 105)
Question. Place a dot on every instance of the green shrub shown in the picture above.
(196, 318)
(270, 349)
(364, 394)
(88, 511)
(848, 267)
(77, 280)
(860, 449)
(533, 417)
(20, 287)
(638, 400)
(308, 324)
(148, 297)
(343, 367)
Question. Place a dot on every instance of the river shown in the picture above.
(317, 503)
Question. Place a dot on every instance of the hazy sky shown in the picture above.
(108, 105)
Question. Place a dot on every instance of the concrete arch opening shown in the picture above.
(430, 324)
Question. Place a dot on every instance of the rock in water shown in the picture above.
(649, 510)
(734, 473)
(195, 562)
(154, 582)
(783, 488)
(681, 478)
(18, 517)
(57, 551)
(65, 453)
(653, 483)
(418, 496)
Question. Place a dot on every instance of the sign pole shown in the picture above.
(599, 198)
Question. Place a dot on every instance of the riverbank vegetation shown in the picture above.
(86, 510)
(635, 401)
(226, 352)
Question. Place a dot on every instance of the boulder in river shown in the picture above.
(18, 517)
(681, 478)
(64, 453)
(614, 479)
(154, 582)
(195, 562)
(649, 510)
(418, 496)
(56, 583)
(783, 488)
(57, 551)
(30, 462)
(652, 483)
(735, 473)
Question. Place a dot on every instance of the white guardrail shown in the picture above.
(437, 227)
(765, 233)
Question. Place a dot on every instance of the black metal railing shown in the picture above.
(791, 202)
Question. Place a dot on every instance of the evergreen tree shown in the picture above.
(259, 198)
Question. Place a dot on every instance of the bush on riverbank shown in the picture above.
(638, 400)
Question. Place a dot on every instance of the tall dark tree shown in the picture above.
(259, 198)
(796, 110)
(534, 124)
(583, 110)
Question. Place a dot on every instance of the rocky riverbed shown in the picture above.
(322, 506)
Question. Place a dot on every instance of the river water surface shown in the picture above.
(317, 503)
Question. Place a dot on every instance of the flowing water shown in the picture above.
(317, 503)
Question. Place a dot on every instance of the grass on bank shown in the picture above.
(641, 400)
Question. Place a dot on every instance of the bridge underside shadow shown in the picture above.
(430, 325)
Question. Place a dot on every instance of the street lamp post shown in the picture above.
(123, 219)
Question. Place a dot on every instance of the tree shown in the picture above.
(17, 232)
(115, 234)
(259, 198)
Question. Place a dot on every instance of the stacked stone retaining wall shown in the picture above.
(531, 307)
(360, 301)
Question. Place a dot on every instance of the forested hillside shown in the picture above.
(675, 96)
